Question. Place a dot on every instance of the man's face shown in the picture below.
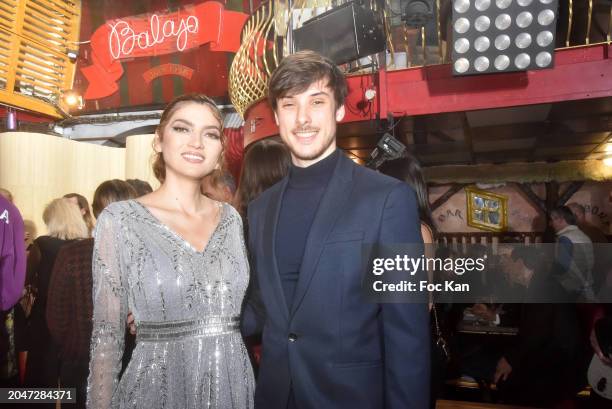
(216, 191)
(556, 222)
(307, 123)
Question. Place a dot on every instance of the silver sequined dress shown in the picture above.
(189, 351)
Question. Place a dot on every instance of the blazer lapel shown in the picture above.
(269, 247)
(331, 207)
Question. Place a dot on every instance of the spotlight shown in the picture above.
(387, 148)
(503, 35)
(73, 100)
(11, 119)
(72, 55)
(417, 13)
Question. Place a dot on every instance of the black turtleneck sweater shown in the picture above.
(300, 202)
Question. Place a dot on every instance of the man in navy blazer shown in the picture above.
(324, 344)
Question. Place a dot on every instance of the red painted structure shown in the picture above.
(579, 73)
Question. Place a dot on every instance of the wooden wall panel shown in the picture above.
(37, 168)
(138, 158)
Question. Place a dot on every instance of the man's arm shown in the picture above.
(405, 325)
(254, 313)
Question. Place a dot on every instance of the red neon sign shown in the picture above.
(157, 34)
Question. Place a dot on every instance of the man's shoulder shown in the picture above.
(262, 200)
(375, 183)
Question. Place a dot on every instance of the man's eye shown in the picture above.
(180, 129)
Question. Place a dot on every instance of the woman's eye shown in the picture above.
(180, 129)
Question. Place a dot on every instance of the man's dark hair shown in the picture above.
(565, 213)
(298, 71)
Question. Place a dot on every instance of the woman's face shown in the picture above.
(190, 141)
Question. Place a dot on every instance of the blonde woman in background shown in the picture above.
(84, 208)
(64, 224)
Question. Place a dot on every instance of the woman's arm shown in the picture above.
(109, 312)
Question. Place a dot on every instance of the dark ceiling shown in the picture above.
(548, 132)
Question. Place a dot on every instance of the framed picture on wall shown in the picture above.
(486, 210)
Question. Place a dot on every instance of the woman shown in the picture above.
(265, 163)
(83, 204)
(408, 169)
(64, 225)
(69, 307)
(176, 259)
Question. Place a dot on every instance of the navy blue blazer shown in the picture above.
(335, 348)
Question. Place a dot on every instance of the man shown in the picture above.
(574, 254)
(324, 344)
(219, 186)
(540, 367)
(602, 259)
(594, 233)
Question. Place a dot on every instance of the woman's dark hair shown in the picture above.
(141, 187)
(265, 163)
(408, 169)
(84, 207)
(111, 191)
(159, 166)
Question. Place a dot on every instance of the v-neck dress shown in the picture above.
(186, 305)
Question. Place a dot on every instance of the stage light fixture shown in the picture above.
(503, 35)
(73, 99)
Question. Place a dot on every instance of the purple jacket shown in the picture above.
(12, 255)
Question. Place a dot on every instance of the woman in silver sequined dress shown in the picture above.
(176, 259)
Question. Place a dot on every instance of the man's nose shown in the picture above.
(303, 115)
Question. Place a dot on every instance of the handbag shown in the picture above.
(27, 301)
(440, 343)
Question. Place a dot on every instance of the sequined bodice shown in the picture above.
(186, 305)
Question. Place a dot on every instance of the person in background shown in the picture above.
(408, 169)
(69, 305)
(12, 277)
(265, 163)
(83, 204)
(541, 367)
(574, 254)
(602, 258)
(141, 187)
(219, 186)
(6, 194)
(595, 234)
(64, 224)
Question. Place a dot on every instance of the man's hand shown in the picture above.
(502, 371)
(597, 349)
(130, 323)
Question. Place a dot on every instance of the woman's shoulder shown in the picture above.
(231, 213)
(117, 208)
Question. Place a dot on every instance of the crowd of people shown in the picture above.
(146, 299)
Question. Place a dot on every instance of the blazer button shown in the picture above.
(293, 337)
